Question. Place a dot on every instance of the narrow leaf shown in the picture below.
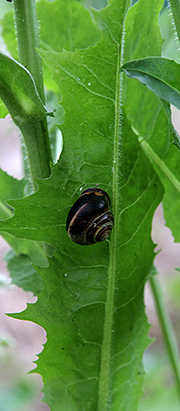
(158, 74)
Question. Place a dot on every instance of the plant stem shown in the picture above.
(35, 134)
(28, 40)
(167, 330)
(175, 8)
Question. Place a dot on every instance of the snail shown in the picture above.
(90, 220)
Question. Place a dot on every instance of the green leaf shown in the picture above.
(3, 110)
(168, 171)
(9, 33)
(22, 272)
(170, 47)
(10, 187)
(36, 251)
(74, 319)
(13, 188)
(152, 123)
(66, 21)
(155, 128)
(18, 91)
(143, 109)
(92, 305)
(175, 10)
(158, 74)
(5, 7)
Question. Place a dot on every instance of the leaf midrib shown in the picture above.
(106, 354)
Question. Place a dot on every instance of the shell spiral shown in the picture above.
(90, 220)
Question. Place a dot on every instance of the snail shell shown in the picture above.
(90, 220)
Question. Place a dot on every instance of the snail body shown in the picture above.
(90, 220)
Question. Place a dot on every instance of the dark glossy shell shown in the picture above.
(90, 220)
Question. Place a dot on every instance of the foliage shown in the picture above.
(116, 134)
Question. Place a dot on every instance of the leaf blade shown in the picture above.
(159, 74)
(18, 92)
